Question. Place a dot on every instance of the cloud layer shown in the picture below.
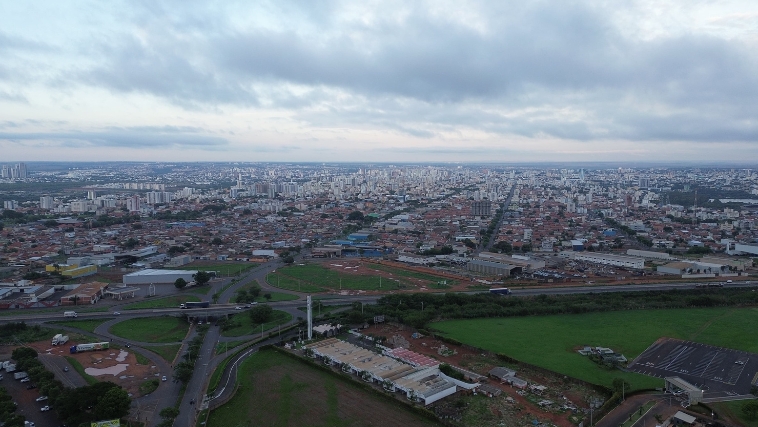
(430, 73)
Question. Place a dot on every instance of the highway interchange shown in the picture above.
(148, 407)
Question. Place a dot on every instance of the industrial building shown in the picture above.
(649, 254)
(421, 384)
(151, 276)
(87, 293)
(492, 268)
(526, 263)
(606, 259)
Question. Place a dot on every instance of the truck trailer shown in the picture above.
(201, 304)
(500, 291)
(93, 346)
(20, 375)
(69, 314)
(60, 339)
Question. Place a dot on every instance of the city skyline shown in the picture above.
(381, 82)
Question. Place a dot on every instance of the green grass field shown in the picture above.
(197, 290)
(88, 325)
(245, 325)
(551, 341)
(156, 329)
(276, 296)
(278, 390)
(162, 302)
(322, 277)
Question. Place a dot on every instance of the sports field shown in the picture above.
(281, 391)
(316, 278)
(551, 341)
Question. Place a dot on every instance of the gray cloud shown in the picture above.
(533, 69)
(135, 137)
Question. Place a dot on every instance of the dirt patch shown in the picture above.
(116, 365)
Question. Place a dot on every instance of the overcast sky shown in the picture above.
(508, 81)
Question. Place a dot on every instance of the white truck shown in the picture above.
(69, 314)
(9, 366)
(20, 375)
(60, 339)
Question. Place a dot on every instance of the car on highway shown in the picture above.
(116, 313)
(44, 408)
(41, 398)
(238, 308)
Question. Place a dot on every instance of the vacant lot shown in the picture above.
(164, 302)
(280, 391)
(551, 341)
(156, 329)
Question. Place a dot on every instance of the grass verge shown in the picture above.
(80, 369)
(148, 386)
(162, 302)
(243, 325)
(153, 330)
(88, 325)
(167, 352)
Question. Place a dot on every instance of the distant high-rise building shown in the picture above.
(6, 173)
(91, 194)
(481, 208)
(10, 204)
(581, 175)
(133, 204)
(22, 173)
(644, 182)
(46, 202)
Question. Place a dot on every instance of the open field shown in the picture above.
(283, 281)
(197, 290)
(296, 394)
(551, 341)
(162, 302)
(323, 277)
(276, 296)
(245, 326)
(155, 329)
(88, 325)
(224, 269)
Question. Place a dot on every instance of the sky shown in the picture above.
(379, 81)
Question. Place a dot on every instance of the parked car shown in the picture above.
(31, 386)
(41, 398)
(44, 408)
(65, 369)
(25, 380)
(164, 378)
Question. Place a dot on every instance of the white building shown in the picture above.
(607, 259)
(148, 276)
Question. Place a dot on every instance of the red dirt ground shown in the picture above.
(130, 379)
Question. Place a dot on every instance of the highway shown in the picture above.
(193, 398)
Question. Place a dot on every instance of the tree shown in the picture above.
(169, 413)
(180, 283)
(355, 216)
(289, 260)
(217, 241)
(620, 385)
(267, 296)
(24, 353)
(202, 277)
(750, 410)
(131, 243)
(183, 372)
(50, 223)
(261, 313)
(115, 403)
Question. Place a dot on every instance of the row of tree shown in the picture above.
(418, 310)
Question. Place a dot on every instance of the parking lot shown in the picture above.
(27, 404)
(718, 371)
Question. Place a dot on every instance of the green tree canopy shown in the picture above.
(180, 283)
(261, 313)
